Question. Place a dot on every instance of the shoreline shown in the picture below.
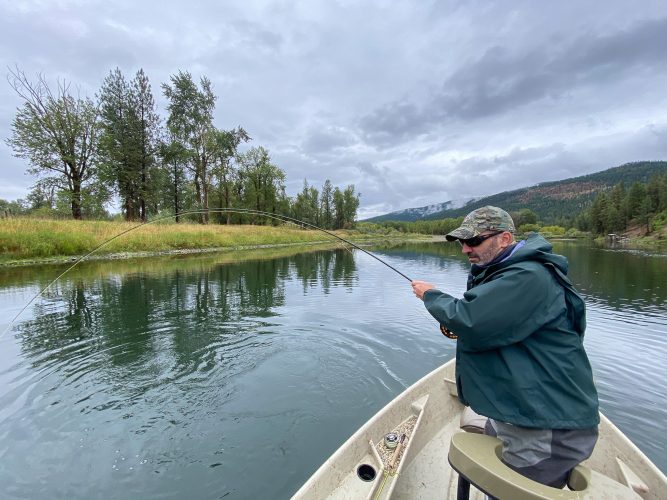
(75, 259)
(628, 245)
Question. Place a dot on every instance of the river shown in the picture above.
(237, 375)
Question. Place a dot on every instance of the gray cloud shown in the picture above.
(501, 81)
(414, 103)
(327, 138)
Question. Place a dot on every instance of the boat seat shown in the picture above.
(476, 458)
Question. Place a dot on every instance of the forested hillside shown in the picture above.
(640, 210)
(560, 202)
(642, 206)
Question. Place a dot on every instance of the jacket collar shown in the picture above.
(477, 271)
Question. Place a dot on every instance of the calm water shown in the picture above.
(205, 377)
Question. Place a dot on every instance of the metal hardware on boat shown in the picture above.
(366, 472)
(391, 440)
(397, 452)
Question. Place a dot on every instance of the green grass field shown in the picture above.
(42, 239)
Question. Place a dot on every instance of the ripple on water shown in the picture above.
(219, 376)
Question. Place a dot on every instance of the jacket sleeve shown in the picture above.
(500, 312)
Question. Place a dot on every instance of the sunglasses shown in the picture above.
(478, 240)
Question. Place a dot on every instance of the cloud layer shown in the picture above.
(414, 103)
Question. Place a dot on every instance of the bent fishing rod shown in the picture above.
(246, 211)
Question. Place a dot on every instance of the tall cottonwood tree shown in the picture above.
(263, 182)
(57, 132)
(174, 158)
(191, 123)
(332, 209)
(224, 169)
(326, 205)
(346, 204)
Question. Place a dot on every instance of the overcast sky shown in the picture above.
(412, 102)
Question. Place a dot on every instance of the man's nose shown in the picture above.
(465, 248)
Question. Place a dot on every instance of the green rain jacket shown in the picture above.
(520, 357)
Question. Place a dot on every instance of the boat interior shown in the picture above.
(441, 453)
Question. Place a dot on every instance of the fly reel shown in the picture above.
(448, 333)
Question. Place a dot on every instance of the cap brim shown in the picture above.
(461, 233)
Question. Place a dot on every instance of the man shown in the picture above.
(520, 358)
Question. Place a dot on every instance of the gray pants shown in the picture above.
(543, 455)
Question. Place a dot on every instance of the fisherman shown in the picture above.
(520, 358)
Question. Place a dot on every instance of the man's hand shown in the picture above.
(419, 287)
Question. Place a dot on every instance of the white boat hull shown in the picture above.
(423, 471)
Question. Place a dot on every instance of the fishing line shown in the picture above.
(297, 221)
(247, 211)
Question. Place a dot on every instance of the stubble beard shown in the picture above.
(482, 258)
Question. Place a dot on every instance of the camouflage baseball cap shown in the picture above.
(487, 218)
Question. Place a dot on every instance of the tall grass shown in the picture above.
(26, 238)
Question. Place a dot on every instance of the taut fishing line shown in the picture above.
(247, 211)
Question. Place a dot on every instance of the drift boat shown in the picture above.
(417, 447)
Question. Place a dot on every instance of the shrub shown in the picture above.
(659, 221)
(553, 230)
(527, 228)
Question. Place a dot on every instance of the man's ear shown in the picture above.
(506, 239)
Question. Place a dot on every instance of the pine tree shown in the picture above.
(148, 123)
(636, 195)
(129, 140)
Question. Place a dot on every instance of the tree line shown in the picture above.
(86, 151)
(613, 211)
(523, 217)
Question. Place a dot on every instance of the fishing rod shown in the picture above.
(286, 218)
(247, 211)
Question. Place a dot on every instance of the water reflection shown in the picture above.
(161, 378)
(165, 353)
(618, 278)
(196, 304)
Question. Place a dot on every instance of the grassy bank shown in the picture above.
(24, 239)
(196, 263)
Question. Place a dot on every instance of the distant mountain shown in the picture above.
(551, 201)
(421, 213)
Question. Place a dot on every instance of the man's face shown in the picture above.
(485, 252)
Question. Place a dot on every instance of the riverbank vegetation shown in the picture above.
(43, 239)
(637, 214)
(116, 149)
(641, 208)
(91, 269)
(89, 154)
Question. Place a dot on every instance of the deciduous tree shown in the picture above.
(326, 205)
(224, 171)
(264, 182)
(191, 122)
(57, 132)
(346, 204)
